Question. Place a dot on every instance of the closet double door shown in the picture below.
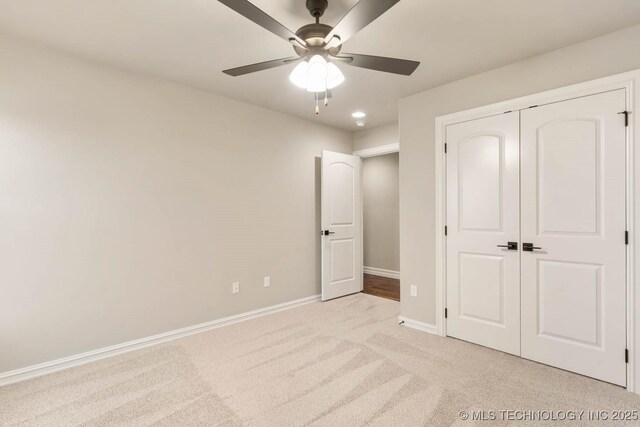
(536, 251)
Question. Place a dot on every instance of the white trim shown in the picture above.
(421, 326)
(90, 356)
(633, 296)
(618, 81)
(625, 81)
(390, 274)
(378, 151)
(441, 218)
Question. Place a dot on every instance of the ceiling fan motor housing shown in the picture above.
(317, 7)
(314, 35)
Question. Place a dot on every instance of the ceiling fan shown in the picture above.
(318, 45)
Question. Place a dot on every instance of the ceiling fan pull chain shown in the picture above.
(317, 99)
(326, 94)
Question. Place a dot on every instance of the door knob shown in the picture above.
(528, 247)
(327, 232)
(512, 246)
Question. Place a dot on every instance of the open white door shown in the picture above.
(341, 225)
(483, 232)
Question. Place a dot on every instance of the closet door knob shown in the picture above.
(528, 247)
(512, 246)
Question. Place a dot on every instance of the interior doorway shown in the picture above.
(381, 224)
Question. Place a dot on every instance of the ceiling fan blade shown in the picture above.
(260, 66)
(360, 15)
(250, 11)
(379, 63)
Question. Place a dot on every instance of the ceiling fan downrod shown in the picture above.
(316, 8)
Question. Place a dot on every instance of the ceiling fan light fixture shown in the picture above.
(318, 86)
(334, 76)
(317, 69)
(319, 41)
(316, 75)
(299, 75)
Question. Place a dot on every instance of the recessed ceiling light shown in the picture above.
(358, 115)
(360, 123)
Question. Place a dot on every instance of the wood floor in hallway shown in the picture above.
(382, 287)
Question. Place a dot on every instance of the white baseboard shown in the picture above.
(90, 356)
(421, 326)
(381, 272)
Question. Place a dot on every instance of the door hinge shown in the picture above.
(445, 230)
(445, 148)
(626, 118)
(626, 355)
(445, 313)
(626, 237)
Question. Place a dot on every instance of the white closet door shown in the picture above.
(483, 279)
(573, 212)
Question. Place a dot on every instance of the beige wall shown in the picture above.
(381, 212)
(613, 53)
(129, 205)
(375, 137)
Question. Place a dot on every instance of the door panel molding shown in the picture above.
(478, 180)
(562, 197)
(627, 81)
(472, 297)
(593, 298)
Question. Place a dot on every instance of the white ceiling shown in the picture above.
(191, 41)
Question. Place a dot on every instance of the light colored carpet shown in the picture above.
(345, 362)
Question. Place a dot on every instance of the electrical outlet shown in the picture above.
(235, 288)
(414, 290)
(267, 281)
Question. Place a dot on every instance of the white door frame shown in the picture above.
(627, 81)
(364, 153)
(380, 150)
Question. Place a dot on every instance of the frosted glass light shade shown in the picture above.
(319, 86)
(317, 75)
(334, 76)
(317, 69)
(299, 75)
